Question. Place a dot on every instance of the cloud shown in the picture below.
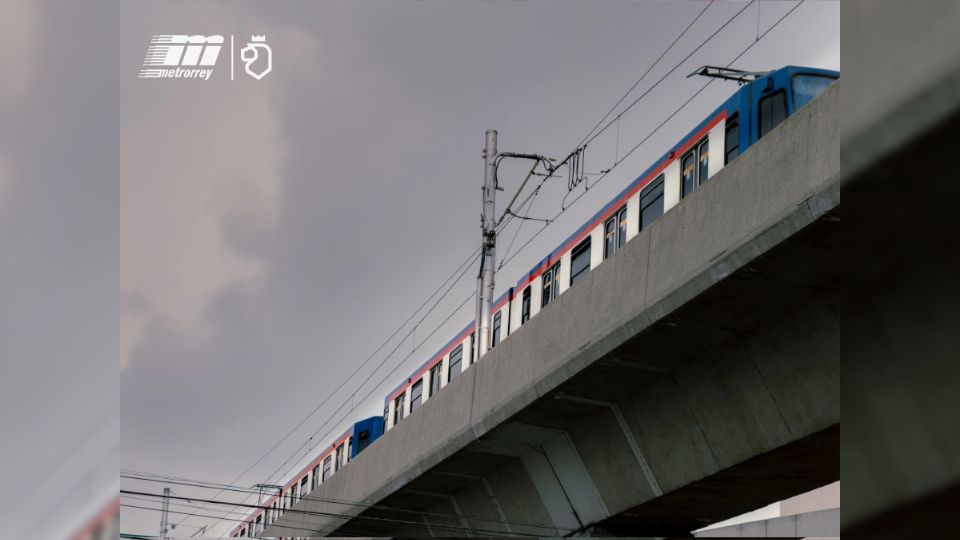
(18, 38)
(200, 180)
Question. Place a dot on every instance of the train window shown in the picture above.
(314, 477)
(732, 139)
(622, 231)
(326, 469)
(416, 395)
(580, 261)
(703, 172)
(303, 487)
(693, 168)
(386, 415)
(435, 378)
(349, 449)
(808, 86)
(496, 330)
(339, 458)
(471, 347)
(615, 232)
(773, 110)
(651, 202)
(294, 494)
(257, 527)
(525, 306)
(547, 293)
(610, 237)
(398, 409)
(688, 174)
(243, 532)
(455, 359)
(551, 285)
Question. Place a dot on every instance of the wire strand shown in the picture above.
(645, 73)
(345, 502)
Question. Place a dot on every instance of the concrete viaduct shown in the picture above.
(692, 377)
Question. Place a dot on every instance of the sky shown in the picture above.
(240, 247)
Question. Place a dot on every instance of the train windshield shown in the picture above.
(808, 86)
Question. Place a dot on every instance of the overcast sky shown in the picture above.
(273, 233)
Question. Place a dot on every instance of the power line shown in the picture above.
(357, 370)
(388, 356)
(645, 73)
(416, 348)
(188, 514)
(324, 514)
(470, 258)
(345, 502)
(591, 138)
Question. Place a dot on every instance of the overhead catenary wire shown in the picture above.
(239, 489)
(463, 268)
(457, 309)
(464, 264)
(645, 73)
(322, 514)
(415, 348)
(187, 514)
(587, 140)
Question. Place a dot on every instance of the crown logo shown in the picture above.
(258, 39)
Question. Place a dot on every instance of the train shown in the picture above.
(759, 105)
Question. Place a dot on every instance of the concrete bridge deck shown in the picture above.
(691, 377)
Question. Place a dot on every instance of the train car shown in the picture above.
(444, 366)
(330, 460)
(761, 103)
(364, 433)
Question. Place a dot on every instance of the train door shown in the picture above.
(770, 103)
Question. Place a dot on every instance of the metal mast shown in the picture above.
(489, 239)
(164, 515)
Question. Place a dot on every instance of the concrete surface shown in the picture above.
(692, 377)
(819, 524)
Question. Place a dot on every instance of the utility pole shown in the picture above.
(164, 515)
(268, 512)
(489, 249)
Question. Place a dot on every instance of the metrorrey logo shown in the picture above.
(181, 56)
(178, 57)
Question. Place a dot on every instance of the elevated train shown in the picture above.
(761, 103)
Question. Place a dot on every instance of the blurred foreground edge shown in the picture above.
(900, 107)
